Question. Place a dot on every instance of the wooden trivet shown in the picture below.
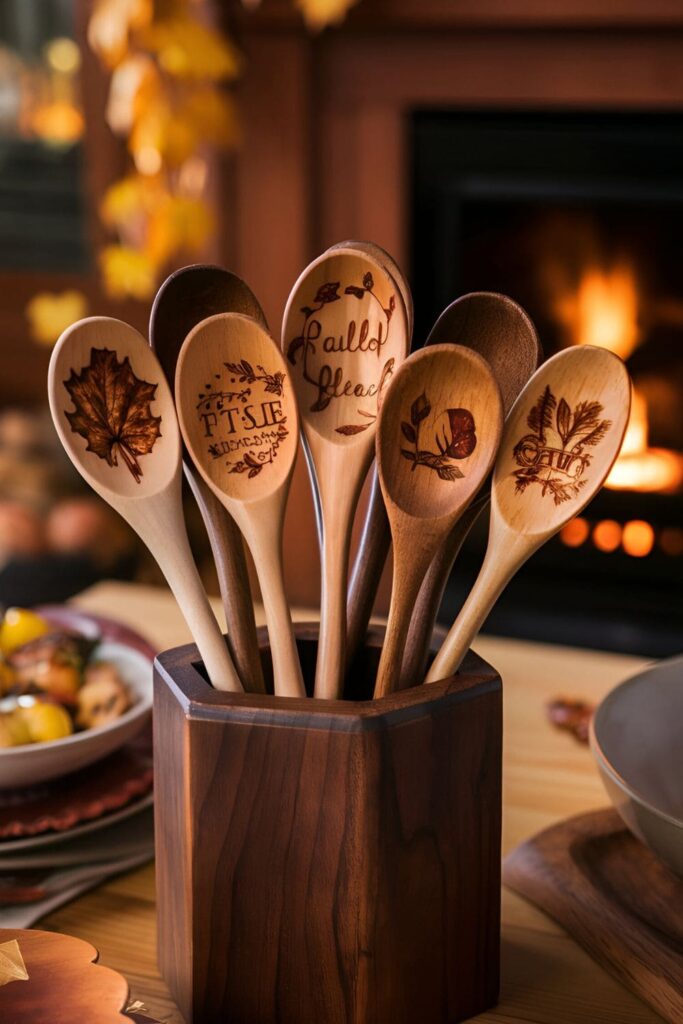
(64, 984)
(614, 897)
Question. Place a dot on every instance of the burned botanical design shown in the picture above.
(113, 410)
(558, 467)
(245, 372)
(246, 421)
(253, 464)
(330, 384)
(455, 438)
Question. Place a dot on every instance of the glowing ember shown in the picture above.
(604, 312)
(639, 467)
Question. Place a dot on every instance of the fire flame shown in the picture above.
(604, 312)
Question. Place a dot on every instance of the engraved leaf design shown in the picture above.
(564, 420)
(419, 409)
(352, 428)
(353, 289)
(112, 410)
(328, 292)
(368, 281)
(540, 417)
(409, 432)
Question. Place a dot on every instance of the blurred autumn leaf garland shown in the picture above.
(168, 99)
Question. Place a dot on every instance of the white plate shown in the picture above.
(37, 762)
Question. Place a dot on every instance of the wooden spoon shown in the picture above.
(375, 540)
(438, 433)
(114, 415)
(560, 440)
(344, 334)
(500, 331)
(185, 298)
(239, 420)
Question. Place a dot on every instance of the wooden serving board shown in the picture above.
(614, 897)
(64, 983)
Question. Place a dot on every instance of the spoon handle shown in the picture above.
(227, 548)
(505, 553)
(265, 543)
(367, 570)
(411, 561)
(339, 487)
(162, 529)
(431, 595)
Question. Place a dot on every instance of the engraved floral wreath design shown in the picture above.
(244, 373)
(456, 439)
(327, 293)
(558, 469)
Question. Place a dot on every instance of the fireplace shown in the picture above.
(578, 216)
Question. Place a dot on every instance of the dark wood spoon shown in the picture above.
(187, 297)
(499, 330)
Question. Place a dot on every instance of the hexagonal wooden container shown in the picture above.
(328, 862)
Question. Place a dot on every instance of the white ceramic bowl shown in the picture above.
(37, 762)
(637, 740)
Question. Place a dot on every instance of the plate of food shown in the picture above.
(71, 692)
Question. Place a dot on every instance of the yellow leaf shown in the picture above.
(133, 83)
(127, 272)
(187, 49)
(131, 198)
(213, 113)
(319, 13)
(51, 313)
(111, 23)
(179, 224)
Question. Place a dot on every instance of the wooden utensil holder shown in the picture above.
(328, 862)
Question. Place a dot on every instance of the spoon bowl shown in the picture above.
(114, 414)
(560, 441)
(439, 428)
(502, 333)
(187, 297)
(344, 335)
(239, 419)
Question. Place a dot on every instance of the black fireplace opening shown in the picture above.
(578, 216)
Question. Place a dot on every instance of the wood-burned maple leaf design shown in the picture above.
(113, 410)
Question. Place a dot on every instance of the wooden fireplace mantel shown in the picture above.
(326, 151)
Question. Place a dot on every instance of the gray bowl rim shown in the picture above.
(601, 757)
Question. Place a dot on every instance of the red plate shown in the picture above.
(95, 791)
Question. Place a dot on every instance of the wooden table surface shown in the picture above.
(547, 978)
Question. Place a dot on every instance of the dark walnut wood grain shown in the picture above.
(328, 861)
(614, 897)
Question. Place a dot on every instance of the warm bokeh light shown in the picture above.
(638, 538)
(607, 535)
(604, 310)
(575, 533)
(63, 55)
(639, 467)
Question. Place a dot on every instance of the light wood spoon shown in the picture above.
(344, 334)
(375, 539)
(500, 331)
(438, 433)
(114, 415)
(560, 440)
(187, 297)
(239, 420)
